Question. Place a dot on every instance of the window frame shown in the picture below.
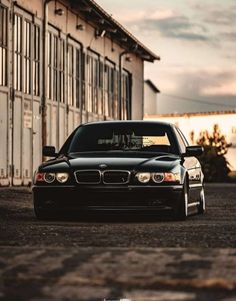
(36, 60)
(27, 54)
(94, 84)
(18, 51)
(4, 11)
(74, 73)
(126, 94)
(110, 89)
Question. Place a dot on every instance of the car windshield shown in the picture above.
(123, 137)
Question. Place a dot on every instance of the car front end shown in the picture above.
(106, 190)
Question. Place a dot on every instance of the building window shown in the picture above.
(56, 68)
(18, 53)
(49, 77)
(111, 90)
(52, 66)
(126, 95)
(77, 77)
(70, 75)
(74, 75)
(36, 61)
(27, 57)
(94, 84)
(83, 82)
(62, 71)
(101, 91)
(3, 45)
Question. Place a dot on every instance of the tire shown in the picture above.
(181, 212)
(202, 205)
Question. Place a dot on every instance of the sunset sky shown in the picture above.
(196, 40)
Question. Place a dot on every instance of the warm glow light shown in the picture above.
(171, 177)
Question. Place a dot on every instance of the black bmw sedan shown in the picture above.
(121, 166)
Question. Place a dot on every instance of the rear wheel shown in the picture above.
(181, 212)
(202, 205)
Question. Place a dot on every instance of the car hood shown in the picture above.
(163, 162)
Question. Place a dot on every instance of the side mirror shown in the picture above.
(194, 151)
(49, 151)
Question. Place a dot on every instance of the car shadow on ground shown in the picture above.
(28, 215)
(113, 218)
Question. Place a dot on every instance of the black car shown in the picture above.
(121, 166)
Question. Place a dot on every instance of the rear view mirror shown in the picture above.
(49, 151)
(195, 150)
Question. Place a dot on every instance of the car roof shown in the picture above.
(129, 122)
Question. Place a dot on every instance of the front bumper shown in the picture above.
(109, 198)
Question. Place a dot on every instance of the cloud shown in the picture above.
(209, 90)
(201, 23)
(168, 23)
(134, 16)
(228, 36)
(180, 27)
(208, 82)
(222, 87)
(199, 82)
(221, 14)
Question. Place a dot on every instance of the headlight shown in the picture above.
(158, 177)
(62, 177)
(49, 177)
(143, 177)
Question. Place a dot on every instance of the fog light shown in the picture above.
(49, 177)
(143, 177)
(62, 177)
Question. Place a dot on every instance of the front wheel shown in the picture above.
(181, 212)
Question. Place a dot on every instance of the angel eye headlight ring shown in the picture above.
(62, 177)
(49, 177)
(158, 177)
(143, 177)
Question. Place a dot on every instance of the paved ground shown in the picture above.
(111, 259)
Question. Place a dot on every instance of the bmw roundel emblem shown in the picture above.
(102, 166)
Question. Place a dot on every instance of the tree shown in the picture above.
(214, 164)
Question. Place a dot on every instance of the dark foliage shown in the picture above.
(214, 164)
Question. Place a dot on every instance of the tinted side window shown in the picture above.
(183, 137)
(181, 141)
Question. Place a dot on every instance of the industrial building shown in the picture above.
(150, 98)
(62, 63)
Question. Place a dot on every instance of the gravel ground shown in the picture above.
(118, 257)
